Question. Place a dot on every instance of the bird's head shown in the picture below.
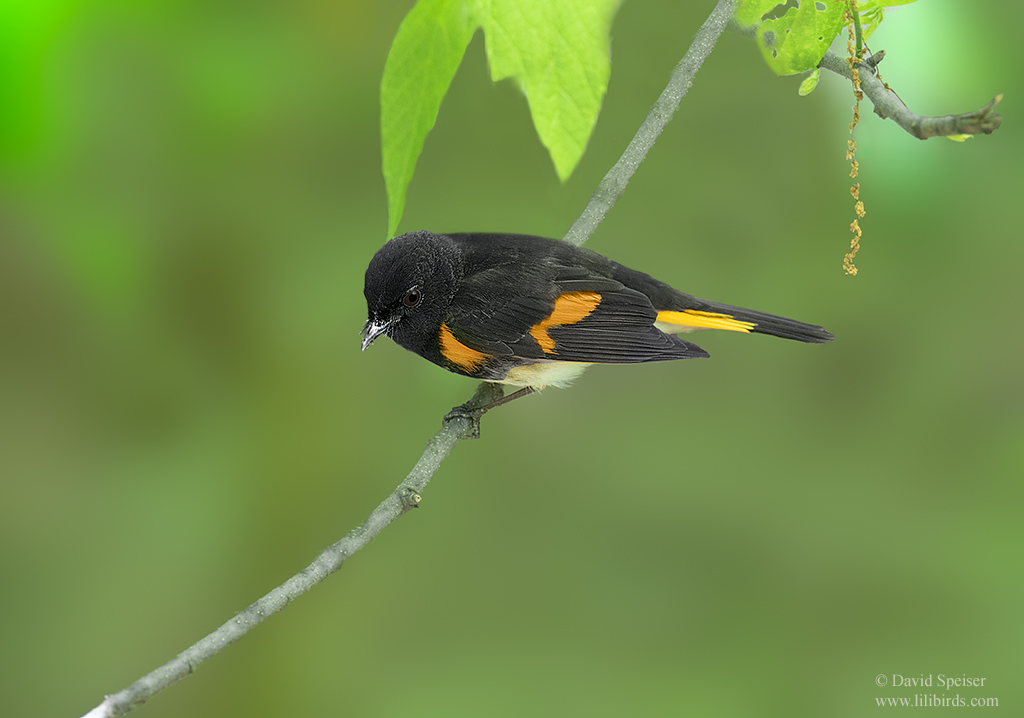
(409, 285)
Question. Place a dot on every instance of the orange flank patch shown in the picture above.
(704, 320)
(458, 353)
(570, 308)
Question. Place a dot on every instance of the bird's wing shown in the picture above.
(561, 313)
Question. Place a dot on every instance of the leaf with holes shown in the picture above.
(795, 34)
(798, 40)
(751, 13)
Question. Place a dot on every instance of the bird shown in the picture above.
(533, 312)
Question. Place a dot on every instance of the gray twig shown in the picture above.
(889, 106)
(456, 426)
(460, 424)
(614, 183)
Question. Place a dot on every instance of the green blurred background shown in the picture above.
(189, 194)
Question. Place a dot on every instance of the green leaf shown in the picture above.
(870, 19)
(872, 12)
(423, 59)
(810, 82)
(798, 40)
(559, 53)
(750, 12)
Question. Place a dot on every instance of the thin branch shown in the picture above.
(614, 183)
(462, 423)
(855, 16)
(889, 106)
(456, 426)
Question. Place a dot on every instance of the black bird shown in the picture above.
(535, 312)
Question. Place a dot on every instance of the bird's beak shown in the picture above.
(373, 329)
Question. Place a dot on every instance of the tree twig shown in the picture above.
(457, 425)
(614, 183)
(889, 106)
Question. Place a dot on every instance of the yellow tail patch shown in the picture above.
(690, 319)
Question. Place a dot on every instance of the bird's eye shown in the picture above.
(412, 297)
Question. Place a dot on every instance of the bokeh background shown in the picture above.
(190, 194)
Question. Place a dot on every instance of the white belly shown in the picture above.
(545, 373)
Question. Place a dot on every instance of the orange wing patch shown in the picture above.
(704, 320)
(458, 353)
(570, 308)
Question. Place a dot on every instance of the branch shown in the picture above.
(462, 423)
(614, 183)
(889, 106)
(456, 426)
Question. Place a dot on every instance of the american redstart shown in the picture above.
(535, 312)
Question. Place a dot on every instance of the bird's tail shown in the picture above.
(710, 315)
